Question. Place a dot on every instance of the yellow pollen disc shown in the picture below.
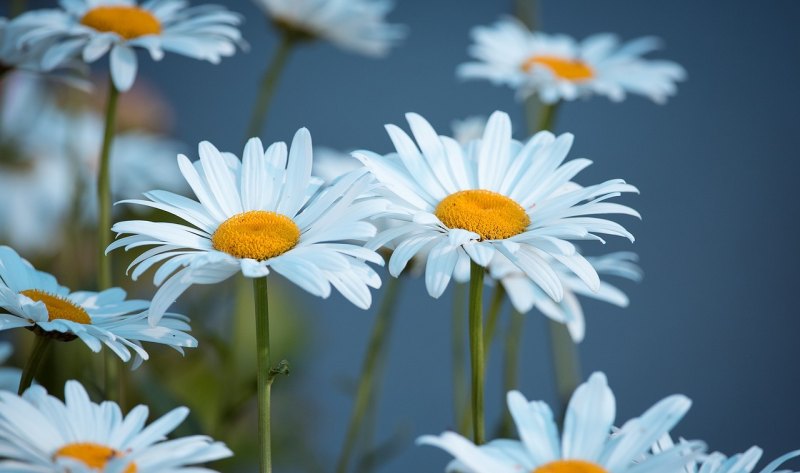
(92, 455)
(256, 234)
(128, 22)
(570, 466)
(58, 307)
(491, 215)
(563, 68)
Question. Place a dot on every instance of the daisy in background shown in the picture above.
(33, 299)
(41, 434)
(586, 444)
(89, 29)
(9, 377)
(717, 462)
(557, 67)
(525, 295)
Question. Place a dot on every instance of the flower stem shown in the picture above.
(547, 117)
(104, 190)
(40, 346)
(566, 363)
(476, 349)
(459, 360)
(370, 372)
(511, 367)
(498, 296)
(264, 378)
(268, 85)
(17, 7)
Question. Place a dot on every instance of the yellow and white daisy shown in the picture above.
(586, 444)
(557, 67)
(355, 25)
(495, 195)
(34, 299)
(41, 434)
(88, 29)
(265, 213)
(525, 295)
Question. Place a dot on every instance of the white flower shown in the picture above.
(557, 67)
(586, 444)
(88, 29)
(469, 129)
(525, 295)
(717, 462)
(41, 434)
(354, 25)
(262, 214)
(35, 300)
(9, 377)
(330, 164)
(495, 195)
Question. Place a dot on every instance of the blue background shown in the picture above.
(715, 316)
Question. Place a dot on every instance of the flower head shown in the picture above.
(40, 433)
(557, 67)
(586, 444)
(355, 25)
(264, 213)
(495, 195)
(88, 29)
(34, 299)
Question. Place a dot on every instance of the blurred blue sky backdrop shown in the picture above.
(715, 317)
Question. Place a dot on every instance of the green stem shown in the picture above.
(17, 7)
(40, 346)
(566, 364)
(527, 12)
(498, 296)
(104, 190)
(370, 371)
(547, 117)
(476, 349)
(268, 85)
(113, 379)
(511, 367)
(459, 360)
(264, 375)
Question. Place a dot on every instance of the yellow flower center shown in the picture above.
(570, 466)
(58, 307)
(127, 21)
(256, 234)
(568, 69)
(92, 455)
(491, 215)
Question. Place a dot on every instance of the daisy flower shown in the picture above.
(557, 67)
(354, 25)
(468, 129)
(41, 434)
(586, 444)
(265, 213)
(495, 196)
(34, 299)
(89, 29)
(525, 295)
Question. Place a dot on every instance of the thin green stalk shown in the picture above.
(113, 379)
(527, 12)
(40, 346)
(459, 360)
(547, 117)
(477, 361)
(566, 363)
(264, 375)
(17, 7)
(511, 367)
(268, 84)
(370, 372)
(498, 296)
(104, 190)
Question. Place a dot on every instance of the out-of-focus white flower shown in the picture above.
(9, 377)
(469, 129)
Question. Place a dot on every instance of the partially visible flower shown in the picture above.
(330, 164)
(9, 377)
(14, 57)
(88, 29)
(525, 295)
(586, 444)
(41, 434)
(34, 299)
(354, 25)
(469, 129)
(557, 67)
(256, 215)
(717, 462)
(495, 196)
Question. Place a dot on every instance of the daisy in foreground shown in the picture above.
(265, 213)
(40, 433)
(89, 29)
(557, 67)
(34, 300)
(586, 444)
